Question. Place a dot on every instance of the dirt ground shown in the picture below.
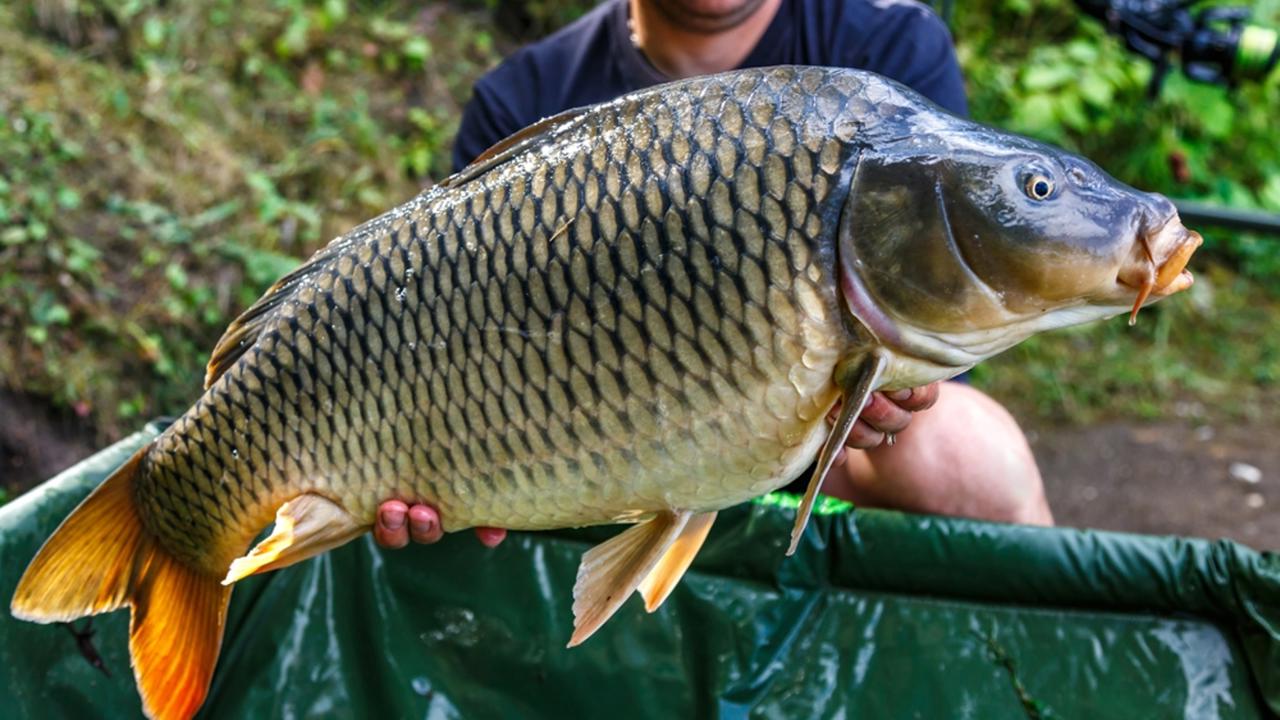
(36, 442)
(1165, 478)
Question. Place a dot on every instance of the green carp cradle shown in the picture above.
(636, 312)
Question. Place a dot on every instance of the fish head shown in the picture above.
(959, 241)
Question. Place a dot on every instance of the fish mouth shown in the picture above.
(1157, 266)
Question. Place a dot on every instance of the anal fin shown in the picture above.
(857, 386)
(664, 576)
(612, 570)
(305, 526)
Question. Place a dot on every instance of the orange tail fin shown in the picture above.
(101, 559)
(175, 633)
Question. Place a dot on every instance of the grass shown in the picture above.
(1209, 353)
(162, 163)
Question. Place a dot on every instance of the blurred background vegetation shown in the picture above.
(162, 162)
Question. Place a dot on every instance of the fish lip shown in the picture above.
(1171, 249)
(1157, 264)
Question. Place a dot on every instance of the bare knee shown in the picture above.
(966, 457)
(1002, 469)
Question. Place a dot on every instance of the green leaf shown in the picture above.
(416, 50)
(120, 103)
(336, 10)
(1035, 115)
(46, 311)
(1047, 77)
(1270, 194)
(1095, 90)
(81, 256)
(153, 31)
(1070, 110)
(262, 266)
(293, 41)
(1217, 118)
(176, 276)
(68, 198)
(1084, 52)
(15, 235)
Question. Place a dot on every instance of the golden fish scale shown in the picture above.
(641, 314)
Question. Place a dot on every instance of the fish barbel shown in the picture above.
(636, 312)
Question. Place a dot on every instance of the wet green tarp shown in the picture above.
(879, 615)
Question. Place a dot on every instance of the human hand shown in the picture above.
(397, 523)
(888, 414)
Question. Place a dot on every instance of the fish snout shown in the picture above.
(1157, 265)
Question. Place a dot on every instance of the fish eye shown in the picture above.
(1038, 187)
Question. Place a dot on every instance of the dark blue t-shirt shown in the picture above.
(593, 60)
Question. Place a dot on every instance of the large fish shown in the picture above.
(638, 312)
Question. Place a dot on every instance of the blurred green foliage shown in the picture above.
(162, 163)
(1045, 70)
(1211, 354)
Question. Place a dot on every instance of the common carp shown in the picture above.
(639, 312)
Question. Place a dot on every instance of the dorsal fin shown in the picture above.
(514, 144)
(243, 332)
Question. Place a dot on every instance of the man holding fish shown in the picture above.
(967, 455)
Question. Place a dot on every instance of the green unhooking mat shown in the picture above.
(879, 615)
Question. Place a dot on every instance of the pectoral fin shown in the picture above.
(857, 386)
(612, 570)
(664, 576)
(305, 526)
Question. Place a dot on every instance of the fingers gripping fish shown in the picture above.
(637, 312)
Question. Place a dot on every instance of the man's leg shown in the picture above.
(966, 456)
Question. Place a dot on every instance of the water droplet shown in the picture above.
(421, 685)
(400, 294)
(235, 453)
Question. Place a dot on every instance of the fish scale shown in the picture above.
(625, 322)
